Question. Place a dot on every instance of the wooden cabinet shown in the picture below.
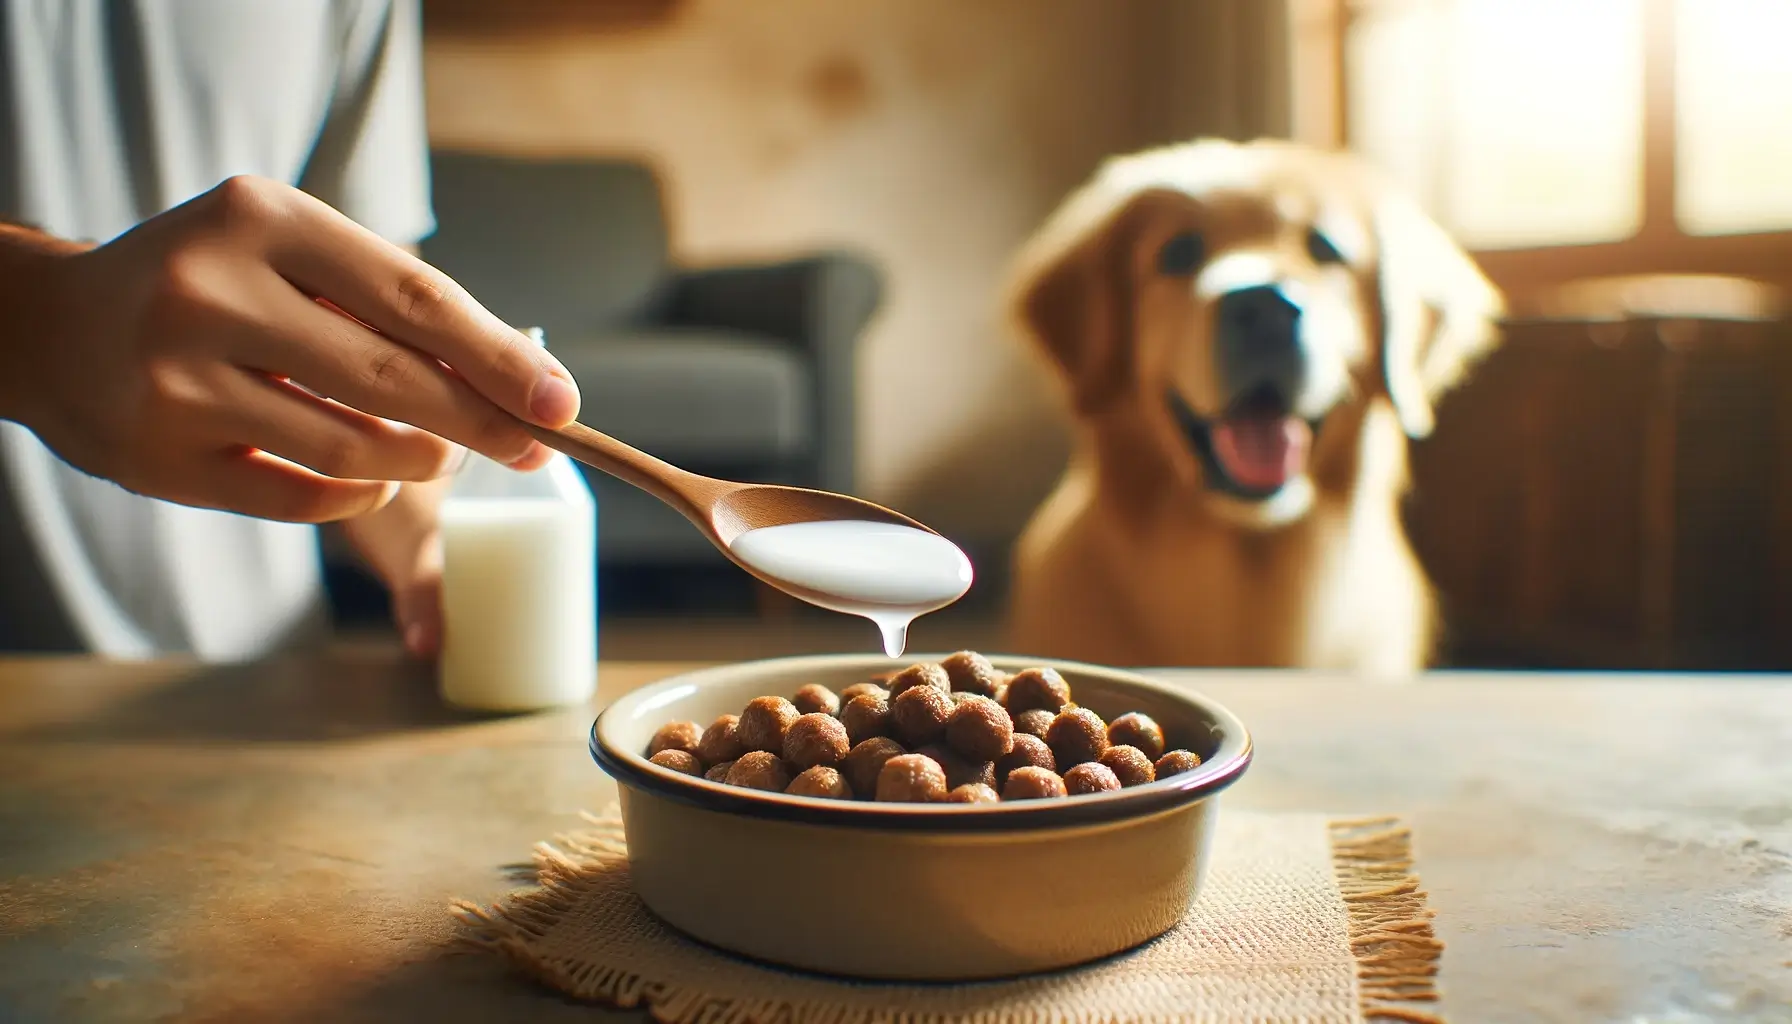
(1616, 493)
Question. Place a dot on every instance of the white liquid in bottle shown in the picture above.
(519, 587)
(887, 573)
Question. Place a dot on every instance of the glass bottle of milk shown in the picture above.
(519, 586)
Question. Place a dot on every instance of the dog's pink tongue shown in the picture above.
(1262, 452)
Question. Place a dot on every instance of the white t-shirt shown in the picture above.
(112, 111)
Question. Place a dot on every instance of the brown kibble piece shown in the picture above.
(764, 723)
(1176, 762)
(1076, 736)
(911, 778)
(820, 781)
(1028, 751)
(980, 729)
(1034, 722)
(816, 699)
(718, 772)
(865, 716)
(721, 741)
(675, 736)
(918, 714)
(960, 770)
(1134, 729)
(1037, 688)
(924, 674)
(865, 760)
(682, 761)
(814, 739)
(1090, 777)
(1033, 783)
(862, 690)
(970, 672)
(758, 769)
(973, 793)
(1129, 764)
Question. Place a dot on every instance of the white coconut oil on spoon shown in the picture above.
(886, 572)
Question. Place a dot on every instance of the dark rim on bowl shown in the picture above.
(1165, 794)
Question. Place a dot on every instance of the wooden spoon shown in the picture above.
(722, 509)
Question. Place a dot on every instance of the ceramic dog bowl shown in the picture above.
(918, 892)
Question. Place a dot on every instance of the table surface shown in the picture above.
(281, 841)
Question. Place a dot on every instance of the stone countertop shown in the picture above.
(281, 841)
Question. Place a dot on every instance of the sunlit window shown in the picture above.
(1522, 123)
(1519, 122)
(1733, 85)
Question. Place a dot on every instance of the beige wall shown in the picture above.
(931, 134)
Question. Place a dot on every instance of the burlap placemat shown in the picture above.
(1302, 918)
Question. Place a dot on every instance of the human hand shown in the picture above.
(190, 359)
(402, 544)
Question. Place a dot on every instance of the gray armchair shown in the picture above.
(741, 371)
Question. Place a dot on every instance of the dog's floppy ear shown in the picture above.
(1072, 292)
(1439, 313)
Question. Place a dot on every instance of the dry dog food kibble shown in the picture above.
(816, 699)
(721, 741)
(1029, 751)
(815, 739)
(1129, 764)
(960, 770)
(675, 736)
(863, 690)
(911, 778)
(918, 714)
(764, 723)
(865, 760)
(977, 734)
(1037, 688)
(973, 793)
(1031, 783)
(1090, 777)
(865, 716)
(923, 674)
(1034, 722)
(758, 769)
(679, 761)
(971, 672)
(980, 729)
(1136, 730)
(1077, 735)
(1176, 762)
(821, 782)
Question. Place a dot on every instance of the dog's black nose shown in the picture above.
(1259, 349)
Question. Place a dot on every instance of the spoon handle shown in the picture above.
(687, 492)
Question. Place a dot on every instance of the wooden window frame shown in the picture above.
(1319, 30)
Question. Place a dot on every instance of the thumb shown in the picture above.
(417, 611)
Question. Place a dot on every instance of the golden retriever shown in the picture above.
(1248, 334)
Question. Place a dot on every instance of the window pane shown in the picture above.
(1734, 108)
(1518, 122)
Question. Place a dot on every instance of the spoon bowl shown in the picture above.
(745, 507)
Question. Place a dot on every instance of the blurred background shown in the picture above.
(768, 237)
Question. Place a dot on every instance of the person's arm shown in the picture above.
(189, 359)
(25, 253)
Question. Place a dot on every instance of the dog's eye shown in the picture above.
(1321, 248)
(1181, 255)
